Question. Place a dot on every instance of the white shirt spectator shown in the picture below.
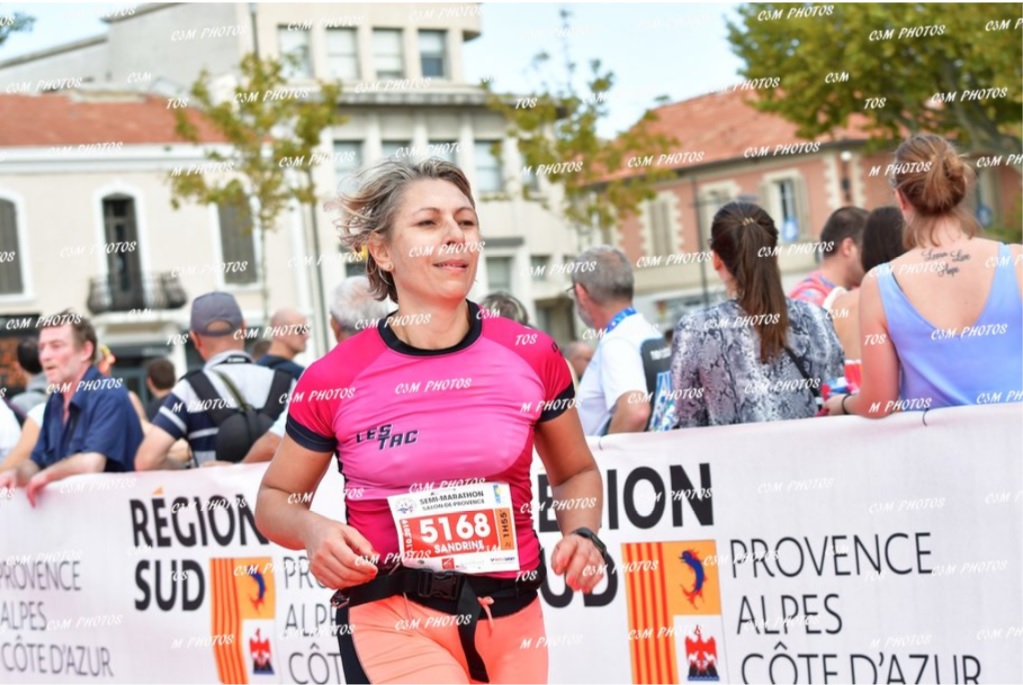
(37, 412)
(616, 369)
(10, 429)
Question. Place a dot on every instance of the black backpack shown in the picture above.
(240, 426)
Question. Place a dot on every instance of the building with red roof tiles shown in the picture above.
(728, 151)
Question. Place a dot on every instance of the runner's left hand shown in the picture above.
(579, 560)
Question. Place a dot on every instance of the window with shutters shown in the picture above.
(124, 268)
(784, 195)
(342, 54)
(294, 49)
(432, 53)
(388, 57)
(238, 243)
(661, 242)
(11, 282)
(499, 273)
(488, 168)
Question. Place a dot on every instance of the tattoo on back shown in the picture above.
(930, 255)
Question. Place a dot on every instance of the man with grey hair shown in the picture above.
(631, 360)
(352, 309)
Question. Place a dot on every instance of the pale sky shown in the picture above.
(678, 50)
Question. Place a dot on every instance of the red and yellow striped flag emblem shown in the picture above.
(663, 580)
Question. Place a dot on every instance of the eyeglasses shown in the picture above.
(570, 291)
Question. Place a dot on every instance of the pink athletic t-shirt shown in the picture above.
(401, 417)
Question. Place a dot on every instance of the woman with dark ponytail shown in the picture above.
(941, 325)
(757, 356)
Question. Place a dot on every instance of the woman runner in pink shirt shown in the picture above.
(433, 413)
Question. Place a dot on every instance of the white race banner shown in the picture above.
(819, 551)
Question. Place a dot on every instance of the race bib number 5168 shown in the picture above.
(468, 528)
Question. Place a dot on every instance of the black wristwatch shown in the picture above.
(592, 537)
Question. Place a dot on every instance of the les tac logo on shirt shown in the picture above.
(386, 438)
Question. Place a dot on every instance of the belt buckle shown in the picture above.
(444, 585)
(339, 599)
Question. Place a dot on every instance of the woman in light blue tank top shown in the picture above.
(914, 360)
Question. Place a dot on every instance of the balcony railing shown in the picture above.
(123, 293)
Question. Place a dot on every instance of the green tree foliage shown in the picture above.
(12, 23)
(907, 69)
(263, 123)
(556, 126)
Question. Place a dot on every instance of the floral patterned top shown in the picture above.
(718, 377)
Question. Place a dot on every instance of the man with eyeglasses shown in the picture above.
(626, 385)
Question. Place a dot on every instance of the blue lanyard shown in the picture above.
(618, 318)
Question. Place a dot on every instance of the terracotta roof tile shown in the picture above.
(58, 119)
(723, 125)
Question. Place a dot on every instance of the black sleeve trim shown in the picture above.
(559, 405)
(307, 438)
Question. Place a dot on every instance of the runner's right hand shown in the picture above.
(339, 556)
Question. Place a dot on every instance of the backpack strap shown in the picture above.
(206, 393)
(278, 389)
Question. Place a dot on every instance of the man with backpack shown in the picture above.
(223, 408)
